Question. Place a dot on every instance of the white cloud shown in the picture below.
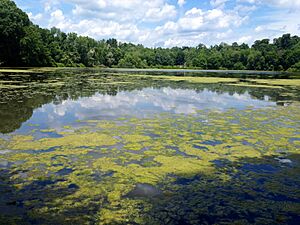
(57, 19)
(181, 2)
(159, 14)
(107, 29)
(292, 4)
(249, 1)
(259, 29)
(49, 5)
(197, 20)
(167, 23)
(224, 35)
(245, 9)
(199, 26)
(218, 3)
(124, 10)
(245, 39)
(110, 19)
(35, 18)
(193, 40)
(57, 15)
(280, 24)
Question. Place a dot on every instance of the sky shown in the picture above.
(169, 23)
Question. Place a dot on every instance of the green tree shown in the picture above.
(255, 61)
(33, 50)
(295, 67)
(214, 60)
(239, 66)
(13, 21)
(132, 61)
(24, 44)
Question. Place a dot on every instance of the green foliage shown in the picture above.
(33, 51)
(131, 61)
(295, 67)
(24, 44)
(239, 66)
(12, 24)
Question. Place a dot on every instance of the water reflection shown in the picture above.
(61, 97)
(140, 103)
(207, 168)
(150, 100)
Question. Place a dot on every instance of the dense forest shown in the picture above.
(23, 43)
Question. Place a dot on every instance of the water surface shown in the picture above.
(143, 147)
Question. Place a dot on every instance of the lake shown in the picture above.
(111, 146)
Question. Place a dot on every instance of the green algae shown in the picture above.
(242, 84)
(55, 84)
(9, 81)
(17, 71)
(182, 149)
(104, 125)
(133, 146)
(28, 70)
(135, 138)
(47, 130)
(103, 82)
(204, 80)
(67, 127)
(11, 86)
(280, 82)
(2, 141)
(33, 125)
(177, 154)
(72, 140)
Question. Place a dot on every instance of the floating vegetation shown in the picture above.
(236, 160)
(242, 84)
(209, 80)
(182, 165)
(28, 70)
(281, 82)
(69, 139)
(11, 86)
(47, 130)
(16, 71)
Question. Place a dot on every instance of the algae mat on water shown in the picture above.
(232, 167)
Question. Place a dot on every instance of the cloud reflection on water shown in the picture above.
(142, 103)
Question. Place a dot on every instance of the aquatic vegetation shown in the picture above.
(2, 142)
(12, 86)
(70, 139)
(244, 84)
(209, 80)
(135, 138)
(282, 82)
(31, 70)
(67, 127)
(16, 71)
(100, 166)
(47, 130)
(233, 166)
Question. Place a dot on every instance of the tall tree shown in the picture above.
(25, 44)
(13, 21)
(33, 51)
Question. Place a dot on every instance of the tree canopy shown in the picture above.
(24, 44)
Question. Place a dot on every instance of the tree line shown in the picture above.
(23, 43)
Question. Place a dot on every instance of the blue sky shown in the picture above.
(169, 23)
